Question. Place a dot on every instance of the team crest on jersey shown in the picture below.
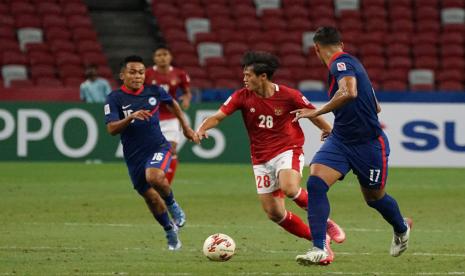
(152, 101)
(252, 110)
(278, 111)
(341, 66)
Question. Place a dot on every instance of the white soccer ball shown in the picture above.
(219, 247)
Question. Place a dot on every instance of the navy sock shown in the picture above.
(164, 220)
(318, 209)
(388, 208)
(169, 200)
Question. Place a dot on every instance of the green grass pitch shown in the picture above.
(77, 219)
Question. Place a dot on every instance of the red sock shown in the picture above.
(294, 225)
(172, 169)
(301, 199)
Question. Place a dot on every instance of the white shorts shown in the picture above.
(266, 175)
(171, 130)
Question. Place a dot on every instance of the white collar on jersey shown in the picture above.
(276, 87)
(155, 68)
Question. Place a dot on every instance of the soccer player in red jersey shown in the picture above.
(275, 141)
(171, 79)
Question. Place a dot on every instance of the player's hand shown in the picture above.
(141, 115)
(304, 113)
(202, 134)
(325, 133)
(191, 135)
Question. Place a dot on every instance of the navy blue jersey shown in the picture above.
(140, 137)
(356, 121)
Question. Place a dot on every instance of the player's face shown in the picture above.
(133, 75)
(251, 80)
(162, 57)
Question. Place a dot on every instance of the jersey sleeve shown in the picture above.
(185, 81)
(301, 101)
(111, 110)
(232, 104)
(342, 68)
(165, 97)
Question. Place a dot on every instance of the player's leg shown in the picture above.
(174, 162)
(328, 165)
(158, 209)
(273, 205)
(289, 165)
(155, 176)
(172, 132)
(372, 172)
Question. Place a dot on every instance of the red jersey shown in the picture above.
(268, 120)
(171, 81)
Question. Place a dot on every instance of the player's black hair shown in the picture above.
(161, 46)
(327, 36)
(128, 59)
(261, 62)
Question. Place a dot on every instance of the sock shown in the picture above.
(294, 225)
(169, 200)
(388, 208)
(301, 199)
(164, 220)
(172, 169)
(318, 209)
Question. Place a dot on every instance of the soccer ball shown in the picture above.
(219, 247)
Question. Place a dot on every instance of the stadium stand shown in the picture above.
(388, 36)
(47, 44)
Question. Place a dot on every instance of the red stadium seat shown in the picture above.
(54, 21)
(71, 71)
(400, 12)
(192, 10)
(264, 46)
(74, 9)
(450, 75)
(299, 24)
(426, 3)
(451, 86)
(41, 58)
(234, 61)
(37, 47)
(425, 50)
(79, 21)
(65, 58)
(105, 72)
(452, 4)
(196, 72)
(292, 3)
(219, 24)
(452, 51)
(47, 8)
(62, 46)
(429, 38)
(9, 45)
(4, 9)
(42, 70)
(285, 82)
(324, 11)
(276, 13)
(201, 83)
(249, 24)
(452, 38)
(233, 48)
(397, 49)
(452, 63)
(49, 82)
(403, 38)
(7, 33)
(273, 23)
(375, 12)
(220, 72)
(376, 25)
(21, 83)
(19, 7)
(380, 4)
(426, 62)
(94, 58)
(394, 85)
(371, 49)
(375, 74)
(73, 82)
(374, 62)
(400, 3)
(215, 61)
(185, 60)
(426, 25)
(421, 87)
(402, 25)
(7, 20)
(182, 47)
(172, 35)
(395, 74)
(89, 46)
(205, 37)
(58, 33)
(283, 73)
(14, 57)
(294, 12)
(160, 9)
(170, 22)
(373, 37)
(427, 13)
(228, 35)
(289, 48)
(27, 21)
(80, 34)
(351, 25)
(293, 60)
(243, 11)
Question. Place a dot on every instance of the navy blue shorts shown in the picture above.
(369, 161)
(160, 159)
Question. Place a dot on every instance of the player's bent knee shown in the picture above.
(155, 177)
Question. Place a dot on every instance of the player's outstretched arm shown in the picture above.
(323, 125)
(347, 92)
(186, 129)
(117, 127)
(209, 123)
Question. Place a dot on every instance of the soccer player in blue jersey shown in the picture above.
(133, 112)
(356, 143)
